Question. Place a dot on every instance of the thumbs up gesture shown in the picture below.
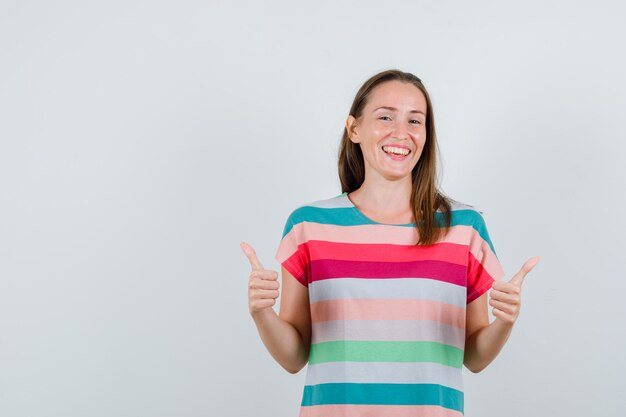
(506, 296)
(262, 285)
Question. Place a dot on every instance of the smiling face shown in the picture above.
(391, 130)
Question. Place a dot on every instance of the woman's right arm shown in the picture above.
(287, 335)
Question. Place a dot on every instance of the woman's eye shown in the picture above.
(416, 122)
(384, 118)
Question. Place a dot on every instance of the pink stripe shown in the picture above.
(439, 270)
(297, 239)
(294, 266)
(449, 252)
(482, 253)
(386, 309)
(342, 410)
(394, 235)
(477, 280)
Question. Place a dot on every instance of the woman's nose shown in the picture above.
(401, 131)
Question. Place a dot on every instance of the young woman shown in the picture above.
(385, 286)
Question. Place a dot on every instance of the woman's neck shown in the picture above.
(384, 199)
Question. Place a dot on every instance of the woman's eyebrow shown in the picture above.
(394, 109)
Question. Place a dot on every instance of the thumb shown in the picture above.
(251, 254)
(526, 268)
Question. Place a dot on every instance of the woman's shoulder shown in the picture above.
(315, 209)
(464, 213)
(338, 201)
(456, 205)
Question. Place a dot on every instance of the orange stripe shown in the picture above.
(386, 309)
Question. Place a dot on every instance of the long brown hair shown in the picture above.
(426, 198)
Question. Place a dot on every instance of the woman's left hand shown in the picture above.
(506, 296)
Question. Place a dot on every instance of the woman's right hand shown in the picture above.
(262, 285)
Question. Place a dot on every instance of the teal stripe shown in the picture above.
(344, 216)
(383, 394)
(385, 351)
(349, 216)
(479, 225)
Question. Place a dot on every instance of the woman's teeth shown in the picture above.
(396, 151)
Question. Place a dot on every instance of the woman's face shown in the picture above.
(391, 129)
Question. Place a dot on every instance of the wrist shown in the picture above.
(503, 325)
(263, 314)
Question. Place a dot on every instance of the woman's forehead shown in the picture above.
(395, 94)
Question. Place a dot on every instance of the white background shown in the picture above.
(140, 141)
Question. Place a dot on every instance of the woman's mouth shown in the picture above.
(396, 153)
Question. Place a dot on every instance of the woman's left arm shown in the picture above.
(483, 340)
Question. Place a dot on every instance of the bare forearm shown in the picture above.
(282, 340)
(483, 346)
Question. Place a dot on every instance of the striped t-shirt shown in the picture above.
(387, 316)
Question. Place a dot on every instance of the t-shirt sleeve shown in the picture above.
(483, 266)
(292, 252)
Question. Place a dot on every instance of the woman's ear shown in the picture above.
(351, 129)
